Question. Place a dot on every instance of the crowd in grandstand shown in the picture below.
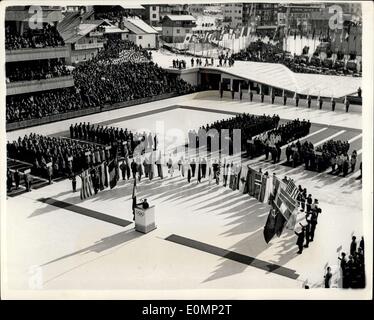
(41, 104)
(266, 52)
(96, 84)
(115, 48)
(38, 70)
(47, 36)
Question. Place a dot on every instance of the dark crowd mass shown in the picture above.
(249, 125)
(47, 36)
(270, 142)
(38, 70)
(66, 157)
(332, 153)
(352, 267)
(312, 210)
(266, 52)
(98, 82)
(110, 136)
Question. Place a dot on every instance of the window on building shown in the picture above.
(239, 11)
(154, 8)
(154, 16)
(140, 37)
(187, 30)
(178, 31)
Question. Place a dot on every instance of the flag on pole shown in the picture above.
(86, 188)
(269, 229)
(291, 223)
(286, 198)
(113, 173)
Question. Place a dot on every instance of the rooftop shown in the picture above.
(182, 17)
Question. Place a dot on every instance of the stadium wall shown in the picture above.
(84, 112)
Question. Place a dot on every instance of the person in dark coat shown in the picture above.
(307, 234)
(284, 100)
(193, 167)
(300, 239)
(123, 168)
(333, 103)
(346, 105)
(9, 180)
(71, 131)
(17, 179)
(309, 101)
(297, 100)
(134, 168)
(74, 183)
(272, 97)
(362, 244)
(343, 270)
(262, 97)
(353, 247)
(328, 277)
(309, 201)
(279, 152)
(320, 103)
(203, 168)
(232, 94)
(189, 174)
(250, 95)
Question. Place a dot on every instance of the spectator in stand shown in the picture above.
(47, 36)
(38, 70)
(267, 52)
(98, 82)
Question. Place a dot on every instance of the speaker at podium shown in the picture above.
(144, 217)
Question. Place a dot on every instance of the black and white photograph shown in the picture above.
(204, 150)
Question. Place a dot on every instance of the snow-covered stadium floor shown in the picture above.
(51, 249)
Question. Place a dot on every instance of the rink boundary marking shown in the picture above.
(234, 256)
(86, 212)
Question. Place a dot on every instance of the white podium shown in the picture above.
(145, 219)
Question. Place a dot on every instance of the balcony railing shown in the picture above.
(29, 54)
(20, 87)
(85, 46)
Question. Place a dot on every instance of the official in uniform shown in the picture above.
(333, 103)
(309, 101)
(346, 105)
(300, 239)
